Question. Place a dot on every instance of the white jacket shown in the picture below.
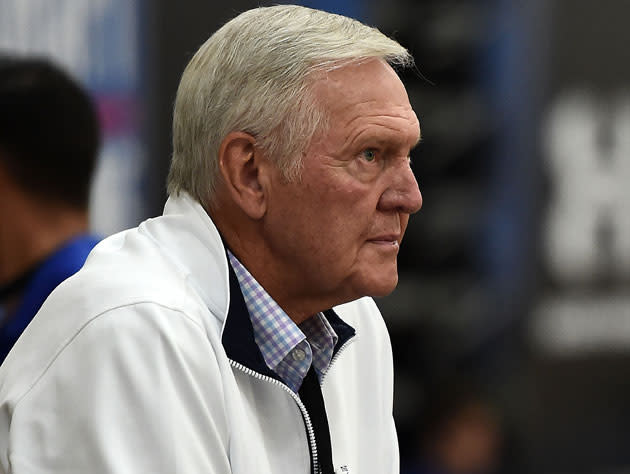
(125, 370)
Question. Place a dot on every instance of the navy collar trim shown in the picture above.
(238, 332)
(344, 331)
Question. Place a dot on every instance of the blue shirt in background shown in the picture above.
(58, 266)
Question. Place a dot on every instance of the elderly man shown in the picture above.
(233, 334)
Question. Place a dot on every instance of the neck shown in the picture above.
(245, 242)
(32, 232)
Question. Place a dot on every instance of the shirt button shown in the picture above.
(298, 354)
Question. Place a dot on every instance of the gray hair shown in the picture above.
(252, 75)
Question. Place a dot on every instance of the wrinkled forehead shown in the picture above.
(367, 84)
(362, 94)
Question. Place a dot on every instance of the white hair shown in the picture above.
(252, 75)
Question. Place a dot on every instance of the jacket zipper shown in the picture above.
(307, 418)
(335, 357)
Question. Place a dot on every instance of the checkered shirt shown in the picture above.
(288, 349)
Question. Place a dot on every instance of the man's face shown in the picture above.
(337, 231)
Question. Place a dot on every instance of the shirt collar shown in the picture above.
(288, 349)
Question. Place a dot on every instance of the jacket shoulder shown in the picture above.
(126, 365)
(126, 274)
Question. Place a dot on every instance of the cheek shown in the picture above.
(346, 218)
(330, 217)
(332, 235)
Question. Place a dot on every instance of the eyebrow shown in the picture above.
(360, 139)
(387, 144)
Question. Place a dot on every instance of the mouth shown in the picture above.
(386, 240)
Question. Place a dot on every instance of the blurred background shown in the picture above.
(511, 322)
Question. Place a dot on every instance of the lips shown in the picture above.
(386, 239)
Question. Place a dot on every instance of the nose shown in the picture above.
(403, 193)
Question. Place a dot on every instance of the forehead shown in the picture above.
(367, 91)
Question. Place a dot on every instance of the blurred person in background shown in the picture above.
(49, 139)
(233, 334)
(459, 433)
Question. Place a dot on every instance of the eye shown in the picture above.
(369, 155)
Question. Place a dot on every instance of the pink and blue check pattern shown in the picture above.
(288, 349)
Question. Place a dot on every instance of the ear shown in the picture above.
(241, 165)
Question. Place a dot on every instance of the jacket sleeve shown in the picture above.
(136, 390)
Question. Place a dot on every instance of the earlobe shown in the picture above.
(240, 165)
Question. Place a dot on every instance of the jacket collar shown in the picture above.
(194, 244)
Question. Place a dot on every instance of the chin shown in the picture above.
(385, 290)
(380, 284)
